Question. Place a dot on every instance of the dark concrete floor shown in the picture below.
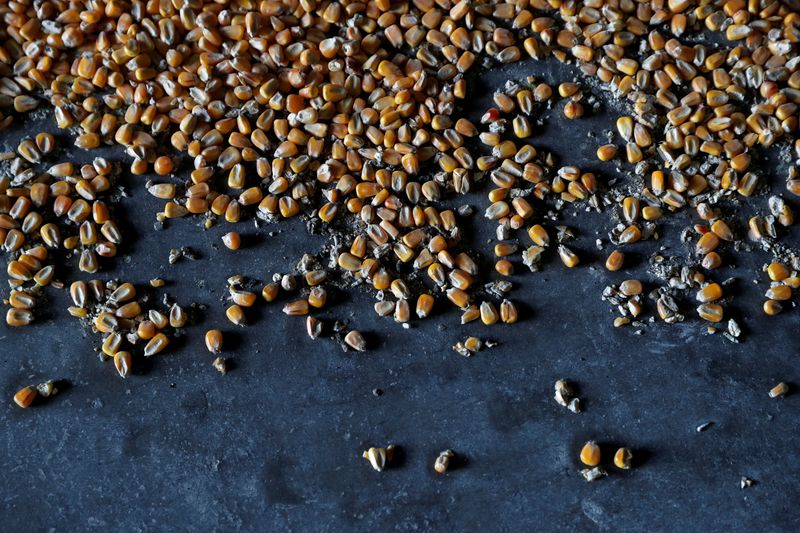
(275, 444)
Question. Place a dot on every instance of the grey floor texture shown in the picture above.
(276, 444)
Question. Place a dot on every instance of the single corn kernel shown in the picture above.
(779, 390)
(708, 242)
(614, 261)
(607, 152)
(235, 314)
(631, 287)
(122, 362)
(778, 271)
(568, 257)
(442, 462)
(297, 307)
(590, 454)
(722, 230)
(772, 308)
(539, 235)
(379, 457)
(356, 341)
(623, 458)
(214, 340)
(232, 240)
(779, 292)
(710, 312)
(24, 398)
(489, 314)
(709, 293)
